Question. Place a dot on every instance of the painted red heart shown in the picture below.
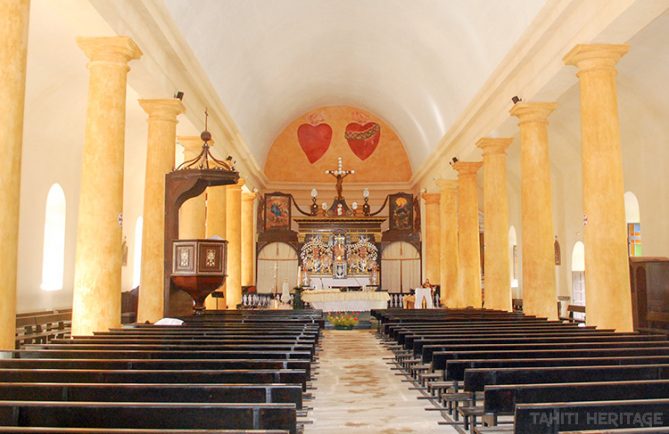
(363, 138)
(314, 140)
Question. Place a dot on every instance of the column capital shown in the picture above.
(162, 109)
(249, 196)
(447, 184)
(494, 145)
(112, 49)
(238, 186)
(532, 111)
(465, 168)
(431, 198)
(588, 57)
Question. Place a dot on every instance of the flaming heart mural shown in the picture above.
(314, 137)
(363, 138)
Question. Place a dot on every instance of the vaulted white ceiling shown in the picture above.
(417, 63)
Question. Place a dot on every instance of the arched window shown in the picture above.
(633, 219)
(137, 254)
(400, 267)
(277, 262)
(53, 255)
(578, 277)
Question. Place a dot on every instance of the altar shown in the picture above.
(353, 301)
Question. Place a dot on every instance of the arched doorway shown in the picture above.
(400, 267)
(277, 262)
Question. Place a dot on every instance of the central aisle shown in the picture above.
(356, 392)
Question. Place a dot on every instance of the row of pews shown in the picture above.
(222, 372)
(499, 372)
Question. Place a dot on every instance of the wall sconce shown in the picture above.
(365, 206)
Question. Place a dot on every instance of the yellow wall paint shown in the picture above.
(287, 161)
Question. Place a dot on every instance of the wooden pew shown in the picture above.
(130, 392)
(150, 354)
(152, 364)
(148, 415)
(502, 400)
(293, 376)
(539, 342)
(47, 430)
(555, 417)
(477, 379)
(455, 369)
(440, 358)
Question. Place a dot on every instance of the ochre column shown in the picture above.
(432, 238)
(496, 228)
(607, 283)
(233, 286)
(97, 273)
(248, 238)
(216, 216)
(448, 257)
(159, 161)
(192, 214)
(469, 259)
(539, 290)
(14, 37)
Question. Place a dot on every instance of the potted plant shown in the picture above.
(343, 320)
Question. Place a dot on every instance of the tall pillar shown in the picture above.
(607, 283)
(469, 253)
(248, 238)
(233, 286)
(432, 238)
(14, 37)
(539, 290)
(216, 219)
(448, 257)
(192, 214)
(161, 145)
(496, 229)
(96, 301)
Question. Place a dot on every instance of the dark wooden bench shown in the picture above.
(127, 392)
(455, 369)
(440, 358)
(502, 400)
(555, 417)
(46, 430)
(148, 354)
(477, 379)
(188, 364)
(255, 376)
(42, 327)
(543, 342)
(148, 415)
(571, 310)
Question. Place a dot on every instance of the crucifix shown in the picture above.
(340, 174)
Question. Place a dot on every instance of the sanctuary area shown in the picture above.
(327, 216)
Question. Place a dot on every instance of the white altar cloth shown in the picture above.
(348, 282)
(356, 301)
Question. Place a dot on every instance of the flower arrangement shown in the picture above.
(343, 320)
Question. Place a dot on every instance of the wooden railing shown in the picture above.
(41, 327)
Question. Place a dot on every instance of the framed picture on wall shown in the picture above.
(401, 212)
(277, 212)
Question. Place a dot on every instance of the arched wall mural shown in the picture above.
(311, 144)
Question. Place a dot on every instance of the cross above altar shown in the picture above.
(340, 174)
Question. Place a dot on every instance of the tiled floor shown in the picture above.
(358, 393)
